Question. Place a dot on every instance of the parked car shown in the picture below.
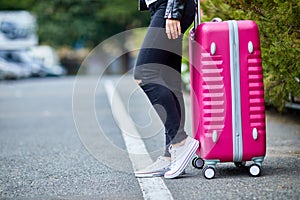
(49, 58)
(23, 59)
(12, 71)
(18, 29)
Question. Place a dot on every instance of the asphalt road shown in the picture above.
(59, 139)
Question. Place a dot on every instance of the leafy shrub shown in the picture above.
(279, 26)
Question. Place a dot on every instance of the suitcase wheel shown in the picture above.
(209, 172)
(255, 170)
(198, 163)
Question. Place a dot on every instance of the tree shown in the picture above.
(279, 26)
(65, 22)
(77, 22)
(15, 4)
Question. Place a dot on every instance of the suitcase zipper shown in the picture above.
(235, 91)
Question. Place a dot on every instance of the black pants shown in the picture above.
(158, 66)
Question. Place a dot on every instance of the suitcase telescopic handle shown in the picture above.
(198, 14)
(197, 20)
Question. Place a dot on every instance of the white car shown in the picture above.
(10, 70)
(49, 58)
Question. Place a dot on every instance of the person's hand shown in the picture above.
(173, 28)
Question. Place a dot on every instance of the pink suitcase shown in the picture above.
(227, 95)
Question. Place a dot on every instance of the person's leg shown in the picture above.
(152, 64)
(181, 150)
(172, 78)
(172, 75)
(147, 73)
(153, 69)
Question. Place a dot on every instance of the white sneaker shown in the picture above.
(156, 169)
(181, 156)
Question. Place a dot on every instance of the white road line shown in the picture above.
(152, 188)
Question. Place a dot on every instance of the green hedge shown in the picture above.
(279, 26)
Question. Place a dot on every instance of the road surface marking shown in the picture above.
(152, 188)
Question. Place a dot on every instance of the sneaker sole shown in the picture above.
(184, 164)
(151, 175)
